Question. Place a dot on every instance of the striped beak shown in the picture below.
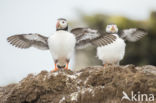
(58, 24)
(113, 29)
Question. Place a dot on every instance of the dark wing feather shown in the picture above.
(104, 40)
(29, 40)
(132, 34)
(84, 36)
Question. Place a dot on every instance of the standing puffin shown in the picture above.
(113, 53)
(111, 44)
(61, 44)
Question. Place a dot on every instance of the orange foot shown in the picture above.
(66, 67)
(55, 69)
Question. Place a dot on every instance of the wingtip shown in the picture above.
(8, 39)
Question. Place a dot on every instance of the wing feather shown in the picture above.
(87, 36)
(104, 40)
(132, 34)
(84, 36)
(29, 40)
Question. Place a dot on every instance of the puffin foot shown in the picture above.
(55, 69)
(66, 67)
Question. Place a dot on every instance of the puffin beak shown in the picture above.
(58, 25)
(113, 28)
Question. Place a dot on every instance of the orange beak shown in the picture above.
(113, 28)
(57, 24)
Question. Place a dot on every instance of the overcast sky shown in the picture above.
(39, 16)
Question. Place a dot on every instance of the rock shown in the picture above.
(89, 85)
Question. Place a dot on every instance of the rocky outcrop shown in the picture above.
(89, 85)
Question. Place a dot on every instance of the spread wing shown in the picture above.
(84, 36)
(104, 40)
(132, 34)
(29, 40)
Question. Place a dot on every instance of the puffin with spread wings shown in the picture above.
(111, 44)
(113, 53)
(61, 44)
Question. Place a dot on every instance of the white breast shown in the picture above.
(112, 53)
(62, 44)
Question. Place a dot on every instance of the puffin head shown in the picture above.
(112, 28)
(61, 24)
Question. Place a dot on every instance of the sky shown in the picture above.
(39, 16)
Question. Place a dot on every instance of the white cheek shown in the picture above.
(64, 25)
(107, 30)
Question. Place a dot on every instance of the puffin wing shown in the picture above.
(84, 36)
(132, 34)
(104, 40)
(29, 40)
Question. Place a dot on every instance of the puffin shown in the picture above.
(61, 44)
(110, 45)
(114, 52)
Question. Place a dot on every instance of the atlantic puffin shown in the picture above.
(114, 52)
(110, 44)
(61, 44)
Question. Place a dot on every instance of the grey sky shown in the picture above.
(39, 16)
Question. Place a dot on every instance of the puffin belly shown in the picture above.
(112, 53)
(62, 45)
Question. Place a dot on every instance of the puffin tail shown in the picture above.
(62, 63)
